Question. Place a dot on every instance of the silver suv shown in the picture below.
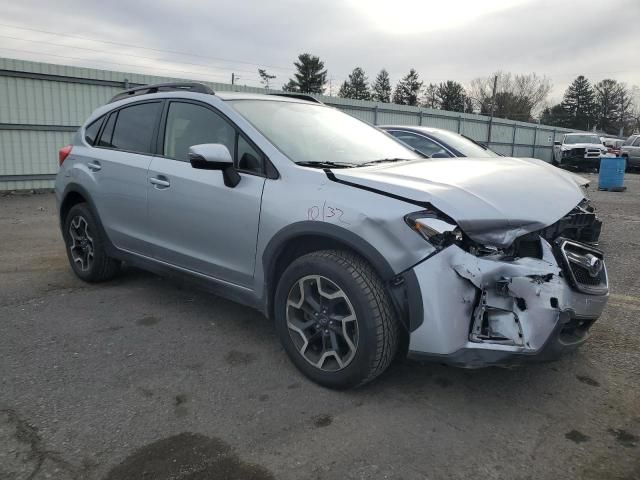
(356, 246)
(630, 150)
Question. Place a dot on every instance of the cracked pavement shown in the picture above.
(144, 377)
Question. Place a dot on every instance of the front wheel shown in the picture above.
(335, 319)
(86, 246)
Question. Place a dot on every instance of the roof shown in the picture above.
(277, 96)
(416, 128)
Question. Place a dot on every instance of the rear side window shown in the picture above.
(189, 124)
(91, 132)
(134, 128)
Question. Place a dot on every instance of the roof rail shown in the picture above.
(299, 96)
(164, 87)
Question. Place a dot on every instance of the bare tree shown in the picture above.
(634, 110)
(518, 97)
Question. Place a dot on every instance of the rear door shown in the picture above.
(196, 221)
(120, 160)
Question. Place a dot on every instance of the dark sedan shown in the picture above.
(438, 143)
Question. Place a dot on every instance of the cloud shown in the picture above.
(556, 39)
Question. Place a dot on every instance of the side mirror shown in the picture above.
(440, 154)
(557, 143)
(214, 156)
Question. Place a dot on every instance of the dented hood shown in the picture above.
(494, 201)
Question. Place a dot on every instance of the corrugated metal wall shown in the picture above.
(42, 104)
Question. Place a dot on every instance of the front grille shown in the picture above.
(584, 277)
(593, 153)
(584, 267)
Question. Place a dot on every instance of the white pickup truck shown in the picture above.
(580, 151)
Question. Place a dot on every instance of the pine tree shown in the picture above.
(451, 96)
(555, 116)
(382, 87)
(265, 78)
(579, 104)
(408, 89)
(310, 76)
(345, 90)
(608, 105)
(356, 86)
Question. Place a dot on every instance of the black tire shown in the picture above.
(377, 323)
(101, 267)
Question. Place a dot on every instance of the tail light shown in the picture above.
(63, 153)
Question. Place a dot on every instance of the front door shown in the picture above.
(197, 222)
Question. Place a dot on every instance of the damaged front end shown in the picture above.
(496, 306)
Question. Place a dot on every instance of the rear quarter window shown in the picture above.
(91, 132)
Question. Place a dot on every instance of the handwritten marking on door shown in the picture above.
(326, 213)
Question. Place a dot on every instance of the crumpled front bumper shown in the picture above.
(482, 311)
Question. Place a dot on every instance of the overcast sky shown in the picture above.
(452, 39)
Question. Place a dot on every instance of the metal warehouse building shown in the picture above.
(42, 105)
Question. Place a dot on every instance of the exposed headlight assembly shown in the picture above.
(438, 232)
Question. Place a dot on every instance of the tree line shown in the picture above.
(607, 106)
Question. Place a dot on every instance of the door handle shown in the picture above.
(160, 181)
(94, 166)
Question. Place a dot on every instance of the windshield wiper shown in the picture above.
(384, 160)
(327, 164)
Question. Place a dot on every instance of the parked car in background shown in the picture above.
(630, 150)
(613, 145)
(439, 143)
(356, 246)
(579, 151)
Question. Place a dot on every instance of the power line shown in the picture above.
(124, 54)
(207, 74)
(175, 52)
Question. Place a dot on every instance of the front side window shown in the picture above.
(308, 133)
(248, 158)
(420, 143)
(464, 145)
(189, 124)
(135, 126)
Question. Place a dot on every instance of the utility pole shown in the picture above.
(493, 105)
(233, 78)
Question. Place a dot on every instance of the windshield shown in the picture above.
(309, 133)
(572, 139)
(463, 145)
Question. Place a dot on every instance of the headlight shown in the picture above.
(437, 231)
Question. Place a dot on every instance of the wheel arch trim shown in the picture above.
(403, 286)
(84, 193)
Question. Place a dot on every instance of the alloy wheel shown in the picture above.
(322, 323)
(82, 247)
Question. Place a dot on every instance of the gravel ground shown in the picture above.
(143, 377)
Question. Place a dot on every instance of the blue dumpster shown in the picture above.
(611, 175)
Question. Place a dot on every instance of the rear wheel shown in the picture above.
(335, 319)
(86, 247)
